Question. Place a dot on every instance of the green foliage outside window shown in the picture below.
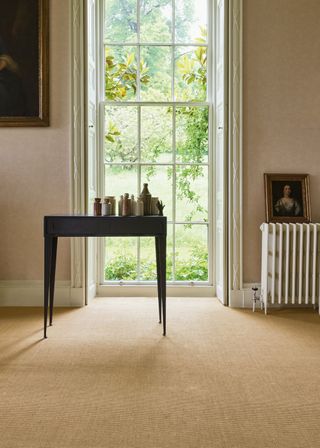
(155, 85)
(124, 267)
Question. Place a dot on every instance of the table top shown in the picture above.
(84, 216)
(89, 225)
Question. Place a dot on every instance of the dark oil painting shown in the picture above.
(24, 62)
(287, 198)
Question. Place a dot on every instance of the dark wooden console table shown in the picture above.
(101, 226)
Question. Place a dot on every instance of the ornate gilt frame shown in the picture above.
(287, 178)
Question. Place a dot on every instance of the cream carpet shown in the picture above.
(106, 378)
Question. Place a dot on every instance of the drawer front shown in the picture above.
(104, 226)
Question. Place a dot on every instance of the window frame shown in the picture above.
(208, 102)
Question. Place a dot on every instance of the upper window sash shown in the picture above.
(169, 21)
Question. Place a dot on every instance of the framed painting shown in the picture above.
(287, 197)
(24, 63)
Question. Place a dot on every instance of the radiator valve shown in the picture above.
(256, 299)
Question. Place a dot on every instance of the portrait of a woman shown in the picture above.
(19, 59)
(287, 198)
(288, 205)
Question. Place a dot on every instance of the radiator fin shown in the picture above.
(290, 272)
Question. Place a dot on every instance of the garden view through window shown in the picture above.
(156, 131)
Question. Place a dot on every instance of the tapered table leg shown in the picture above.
(53, 275)
(47, 271)
(162, 257)
(158, 276)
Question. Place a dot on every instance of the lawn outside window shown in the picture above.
(157, 110)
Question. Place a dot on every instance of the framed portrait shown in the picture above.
(24, 59)
(287, 197)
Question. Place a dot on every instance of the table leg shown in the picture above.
(162, 257)
(47, 270)
(158, 276)
(53, 275)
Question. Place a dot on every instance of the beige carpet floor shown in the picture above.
(106, 377)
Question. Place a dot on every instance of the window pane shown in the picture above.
(121, 134)
(191, 21)
(191, 74)
(120, 21)
(120, 259)
(148, 269)
(156, 64)
(156, 134)
(156, 21)
(159, 179)
(192, 134)
(170, 255)
(121, 73)
(166, 74)
(192, 193)
(120, 179)
(191, 253)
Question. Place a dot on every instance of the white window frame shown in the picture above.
(209, 225)
(237, 291)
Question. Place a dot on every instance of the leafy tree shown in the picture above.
(155, 83)
(121, 76)
(125, 267)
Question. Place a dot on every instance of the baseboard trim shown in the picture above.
(242, 298)
(151, 291)
(30, 293)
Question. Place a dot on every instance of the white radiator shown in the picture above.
(290, 272)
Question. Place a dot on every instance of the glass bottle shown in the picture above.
(97, 206)
(126, 205)
(146, 197)
(133, 205)
(140, 207)
(120, 205)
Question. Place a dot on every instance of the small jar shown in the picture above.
(112, 201)
(133, 205)
(104, 207)
(108, 208)
(140, 207)
(120, 205)
(97, 207)
(126, 205)
(154, 208)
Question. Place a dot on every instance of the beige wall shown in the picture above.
(281, 133)
(281, 106)
(34, 169)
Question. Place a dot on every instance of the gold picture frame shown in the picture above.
(24, 63)
(287, 197)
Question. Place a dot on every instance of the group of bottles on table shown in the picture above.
(145, 204)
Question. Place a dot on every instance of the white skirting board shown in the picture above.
(242, 298)
(151, 291)
(30, 293)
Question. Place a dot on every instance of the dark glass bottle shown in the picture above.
(97, 207)
(146, 198)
